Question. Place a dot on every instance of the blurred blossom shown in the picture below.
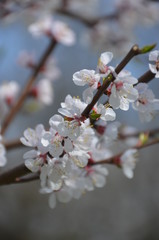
(55, 29)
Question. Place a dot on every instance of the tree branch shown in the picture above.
(146, 77)
(84, 20)
(13, 144)
(27, 88)
(111, 160)
(14, 175)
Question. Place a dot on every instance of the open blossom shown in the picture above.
(146, 104)
(72, 107)
(154, 56)
(33, 137)
(55, 29)
(122, 91)
(50, 70)
(43, 92)
(26, 59)
(104, 59)
(128, 162)
(9, 92)
(106, 113)
(86, 77)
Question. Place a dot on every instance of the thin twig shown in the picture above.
(11, 175)
(146, 77)
(13, 144)
(27, 88)
(30, 178)
(111, 159)
(86, 21)
(15, 174)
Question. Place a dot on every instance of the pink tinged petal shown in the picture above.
(65, 112)
(110, 115)
(131, 80)
(56, 149)
(124, 104)
(153, 68)
(55, 121)
(101, 170)
(30, 136)
(64, 195)
(63, 34)
(39, 130)
(88, 184)
(98, 180)
(52, 201)
(77, 79)
(128, 172)
(33, 165)
(124, 74)
(153, 56)
(25, 142)
(73, 131)
(68, 146)
(106, 57)
(46, 139)
(87, 95)
(31, 154)
(114, 101)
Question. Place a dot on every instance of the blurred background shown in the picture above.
(124, 209)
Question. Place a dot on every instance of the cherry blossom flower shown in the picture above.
(106, 113)
(154, 56)
(146, 104)
(72, 107)
(32, 138)
(43, 92)
(122, 91)
(104, 59)
(50, 70)
(128, 162)
(26, 59)
(55, 29)
(88, 77)
(9, 92)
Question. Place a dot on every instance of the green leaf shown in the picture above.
(94, 115)
(147, 48)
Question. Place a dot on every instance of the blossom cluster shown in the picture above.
(42, 92)
(124, 16)
(68, 155)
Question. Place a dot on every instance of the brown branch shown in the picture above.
(30, 178)
(13, 144)
(11, 175)
(86, 21)
(111, 160)
(146, 77)
(150, 133)
(27, 88)
(133, 52)
(14, 175)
